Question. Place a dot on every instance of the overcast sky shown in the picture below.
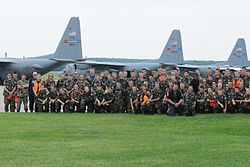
(125, 28)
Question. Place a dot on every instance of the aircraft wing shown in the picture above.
(188, 67)
(95, 63)
(6, 61)
(231, 68)
(169, 64)
(65, 60)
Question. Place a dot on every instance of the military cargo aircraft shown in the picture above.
(69, 50)
(171, 55)
(237, 59)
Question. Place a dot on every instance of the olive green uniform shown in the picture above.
(9, 100)
(157, 105)
(65, 99)
(41, 96)
(87, 102)
(189, 100)
(99, 94)
(52, 95)
(119, 101)
(74, 104)
(22, 94)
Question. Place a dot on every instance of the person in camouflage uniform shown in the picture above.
(229, 95)
(151, 82)
(211, 100)
(189, 102)
(87, 100)
(99, 99)
(164, 82)
(68, 84)
(22, 93)
(124, 85)
(175, 100)
(75, 76)
(209, 82)
(140, 80)
(128, 91)
(186, 79)
(60, 82)
(237, 98)
(156, 99)
(221, 99)
(63, 101)
(109, 100)
(183, 88)
(246, 101)
(74, 103)
(145, 100)
(50, 81)
(97, 81)
(42, 100)
(227, 77)
(15, 79)
(52, 98)
(217, 75)
(91, 76)
(82, 83)
(165, 101)
(110, 81)
(9, 98)
(119, 98)
(134, 101)
(133, 77)
(201, 105)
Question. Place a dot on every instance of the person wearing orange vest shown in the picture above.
(145, 99)
(37, 84)
(211, 99)
(237, 80)
(31, 92)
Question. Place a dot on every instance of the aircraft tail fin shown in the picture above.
(172, 52)
(70, 46)
(238, 56)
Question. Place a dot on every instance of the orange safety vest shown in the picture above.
(166, 77)
(212, 102)
(236, 83)
(37, 86)
(144, 98)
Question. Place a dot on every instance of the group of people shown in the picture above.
(157, 92)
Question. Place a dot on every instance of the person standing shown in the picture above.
(9, 98)
(31, 92)
(22, 93)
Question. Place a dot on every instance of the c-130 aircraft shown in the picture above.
(69, 50)
(172, 56)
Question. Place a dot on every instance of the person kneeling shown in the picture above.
(190, 102)
(42, 100)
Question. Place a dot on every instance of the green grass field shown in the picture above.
(45, 139)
